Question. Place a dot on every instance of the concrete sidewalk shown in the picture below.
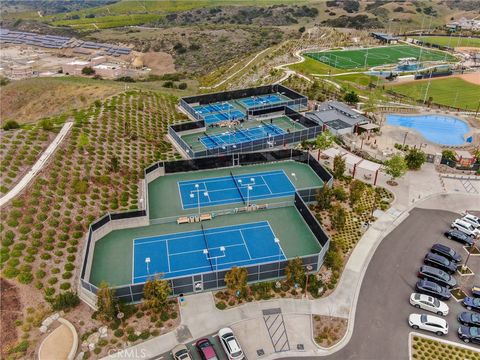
(37, 166)
(200, 317)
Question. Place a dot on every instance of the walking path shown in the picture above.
(38, 166)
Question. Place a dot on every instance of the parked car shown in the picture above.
(447, 252)
(469, 319)
(206, 349)
(230, 344)
(465, 227)
(459, 236)
(472, 303)
(440, 262)
(430, 288)
(429, 303)
(429, 323)
(476, 291)
(469, 334)
(472, 219)
(436, 275)
(180, 352)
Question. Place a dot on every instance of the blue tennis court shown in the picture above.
(234, 189)
(240, 136)
(212, 108)
(184, 253)
(222, 116)
(261, 100)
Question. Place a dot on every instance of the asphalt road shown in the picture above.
(381, 328)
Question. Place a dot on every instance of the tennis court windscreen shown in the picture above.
(206, 246)
(239, 191)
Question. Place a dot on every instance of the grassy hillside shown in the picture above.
(29, 100)
(451, 92)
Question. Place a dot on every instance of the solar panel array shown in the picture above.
(58, 42)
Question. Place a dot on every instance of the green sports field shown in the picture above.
(358, 58)
(451, 92)
(451, 41)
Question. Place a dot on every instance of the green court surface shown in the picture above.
(283, 122)
(361, 58)
(453, 92)
(112, 258)
(164, 198)
(451, 41)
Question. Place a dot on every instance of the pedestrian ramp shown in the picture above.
(276, 329)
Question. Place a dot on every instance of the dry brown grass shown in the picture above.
(29, 100)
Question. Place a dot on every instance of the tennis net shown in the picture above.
(244, 133)
(239, 191)
(206, 246)
(211, 139)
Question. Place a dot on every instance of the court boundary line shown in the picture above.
(168, 257)
(245, 243)
(217, 179)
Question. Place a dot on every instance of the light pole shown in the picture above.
(277, 241)
(249, 188)
(209, 258)
(147, 262)
(197, 191)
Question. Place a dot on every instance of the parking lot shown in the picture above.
(381, 320)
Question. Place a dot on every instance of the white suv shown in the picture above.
(230, 344)
(465, 227)
(429, 323)
(472, 219)
(429, 303)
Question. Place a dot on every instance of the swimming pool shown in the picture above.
(439, 129)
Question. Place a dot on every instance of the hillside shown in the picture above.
(29, 100)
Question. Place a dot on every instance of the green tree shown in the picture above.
(10, 125)
(236, 279)
(301, 30)
(449, 155)
(65, 300)
(415, 159)
(87, 70)
(155, 293)
(339, 166)
(396, 166)
(105, 302)
(324, 140)
(295, 272)
(357, 189)
(351, 97)
(114, 163)
(324, 197)
(338, 217)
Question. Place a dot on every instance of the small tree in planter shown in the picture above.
(395, 167)
(415, 159)
(156, 293)
(324, 141)
(295, 272)
(324, 197)
(236, 280)
(105, 302)
(339, 166)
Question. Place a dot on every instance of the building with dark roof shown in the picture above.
(385, 38)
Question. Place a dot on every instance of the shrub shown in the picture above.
(118, 333)
(25, 277)
(10, 125)
(66, 300)
(221, 305)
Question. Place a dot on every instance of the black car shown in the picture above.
(433, 289)
(437, 275)
(469, 334)
(440, 262)
(471, 303)
(469, 319)
(476, 291)
(447, 252)
(459, 236)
